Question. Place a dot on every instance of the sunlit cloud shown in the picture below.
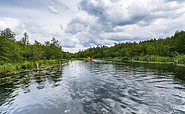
(86, 23)
(52, 10)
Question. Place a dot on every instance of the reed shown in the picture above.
(10, 67)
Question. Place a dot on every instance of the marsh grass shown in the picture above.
(180, 59)
(10, 67)
(152, 58)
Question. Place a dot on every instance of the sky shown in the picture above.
(80, 24)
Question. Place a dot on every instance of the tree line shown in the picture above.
(168, 47)
(17, 51)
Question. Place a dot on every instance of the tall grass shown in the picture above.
(180, 59)
(152, 58)
(9, 67)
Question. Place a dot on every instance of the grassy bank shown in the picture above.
(80, 58)
(17, 73)
(12, 67)
(177, 60)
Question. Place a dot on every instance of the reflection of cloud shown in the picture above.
(52, 10)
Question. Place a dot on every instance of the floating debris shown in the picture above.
(66, 111)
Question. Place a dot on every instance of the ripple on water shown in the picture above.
(97, 87)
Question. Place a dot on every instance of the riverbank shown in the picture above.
(100, 84)
(151, 59)
(27, 65)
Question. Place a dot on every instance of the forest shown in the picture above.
(18, 55)
(168, 49)
(12, 51)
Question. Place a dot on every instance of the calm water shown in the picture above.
(98, 87)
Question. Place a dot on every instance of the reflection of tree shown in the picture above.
(51, 74)
(160, 69)
(39, 76)
(103, 67)
(6, 89)
(165, 71)
(180, 74)
(55, 75)
(5, 94)
(9, 83)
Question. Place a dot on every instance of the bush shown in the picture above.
(164, 59)
(153, 58)
(26, 65)
(180, 59)
(124, 58)
(7, 67)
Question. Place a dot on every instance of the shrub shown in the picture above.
(124, 58)
(26, 65)
(180, 59)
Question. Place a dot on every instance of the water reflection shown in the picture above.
(11, 85)
(102, 87)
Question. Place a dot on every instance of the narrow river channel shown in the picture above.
(97, 87)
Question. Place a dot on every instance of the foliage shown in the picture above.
(158, 50)
(12, 51)
(180, 59)
(9, 49)
(9, 67)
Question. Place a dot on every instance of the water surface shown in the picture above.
(98, 87)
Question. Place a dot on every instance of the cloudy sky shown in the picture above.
(79, 24)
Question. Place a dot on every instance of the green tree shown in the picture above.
(9, 48)
(180, 41)
(8, 34)
(25, 39)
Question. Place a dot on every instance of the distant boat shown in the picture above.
(90, 58)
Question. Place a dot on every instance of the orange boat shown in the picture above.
(89, 58)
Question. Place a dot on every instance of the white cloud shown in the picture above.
(14, 24)
(52, 10)
(83, 23)
(9, 23)
(108, 21)
(60, 4)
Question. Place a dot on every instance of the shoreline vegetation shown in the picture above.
(178, 61)
(17, 73)
(170, 50)
(21, 55)
(9, 68)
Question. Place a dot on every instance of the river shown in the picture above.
(97, 87)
